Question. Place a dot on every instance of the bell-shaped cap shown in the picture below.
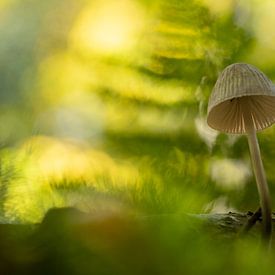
(241, 88)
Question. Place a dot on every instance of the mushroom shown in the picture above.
(243, 102)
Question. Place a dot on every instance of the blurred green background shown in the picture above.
(103, 108)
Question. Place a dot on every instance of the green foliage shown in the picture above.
(103, 107)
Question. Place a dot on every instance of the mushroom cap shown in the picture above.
(226, 108)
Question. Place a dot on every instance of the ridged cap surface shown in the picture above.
(225, 109)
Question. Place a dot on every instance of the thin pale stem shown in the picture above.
(259, 172)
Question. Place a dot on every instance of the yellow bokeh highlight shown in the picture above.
(264, 22)
(56, 159)
(28, 200)
(260, 24)
(146, 120)
(62, 78)
(175, 29)
(129, 83)
(108, 26)
(218, 7)
(177, 41)
(46, 163)
(4, 4)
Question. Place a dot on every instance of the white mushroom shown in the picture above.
(243, 102)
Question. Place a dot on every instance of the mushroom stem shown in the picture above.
(251, 221)
(259, 172)
(263, 190)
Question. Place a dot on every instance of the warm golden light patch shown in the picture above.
(169, 28)
(263, 25)
(218, 7)
(56, 159)
(108, 27)
(62, 77)
(129, 83)
(259, 20)
(46, 160)
(4, 4)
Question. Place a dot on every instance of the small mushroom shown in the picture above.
(243, 102)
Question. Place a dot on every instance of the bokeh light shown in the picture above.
(103, 108)
(108, 27)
